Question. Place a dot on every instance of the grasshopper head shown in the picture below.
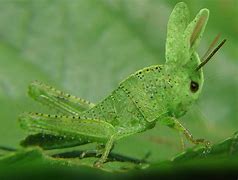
(182, 60)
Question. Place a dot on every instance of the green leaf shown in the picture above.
(222, 155)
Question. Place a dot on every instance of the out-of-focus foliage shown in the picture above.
(87, 47)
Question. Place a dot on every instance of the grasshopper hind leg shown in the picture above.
(61, 102)
(56, 127)
(49, 141)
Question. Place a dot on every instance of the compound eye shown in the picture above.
(194, 86)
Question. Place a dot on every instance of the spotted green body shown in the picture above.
(156, 94)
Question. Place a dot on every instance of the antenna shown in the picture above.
(210, 56)
(211, 47)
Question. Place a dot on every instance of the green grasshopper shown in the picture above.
(159, 93)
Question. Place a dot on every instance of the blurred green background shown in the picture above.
(86, 47)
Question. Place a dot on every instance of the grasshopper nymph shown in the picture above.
(159, 93)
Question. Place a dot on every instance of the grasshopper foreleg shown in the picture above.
(175, 124)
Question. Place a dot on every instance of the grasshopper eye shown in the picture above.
(194, 86)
